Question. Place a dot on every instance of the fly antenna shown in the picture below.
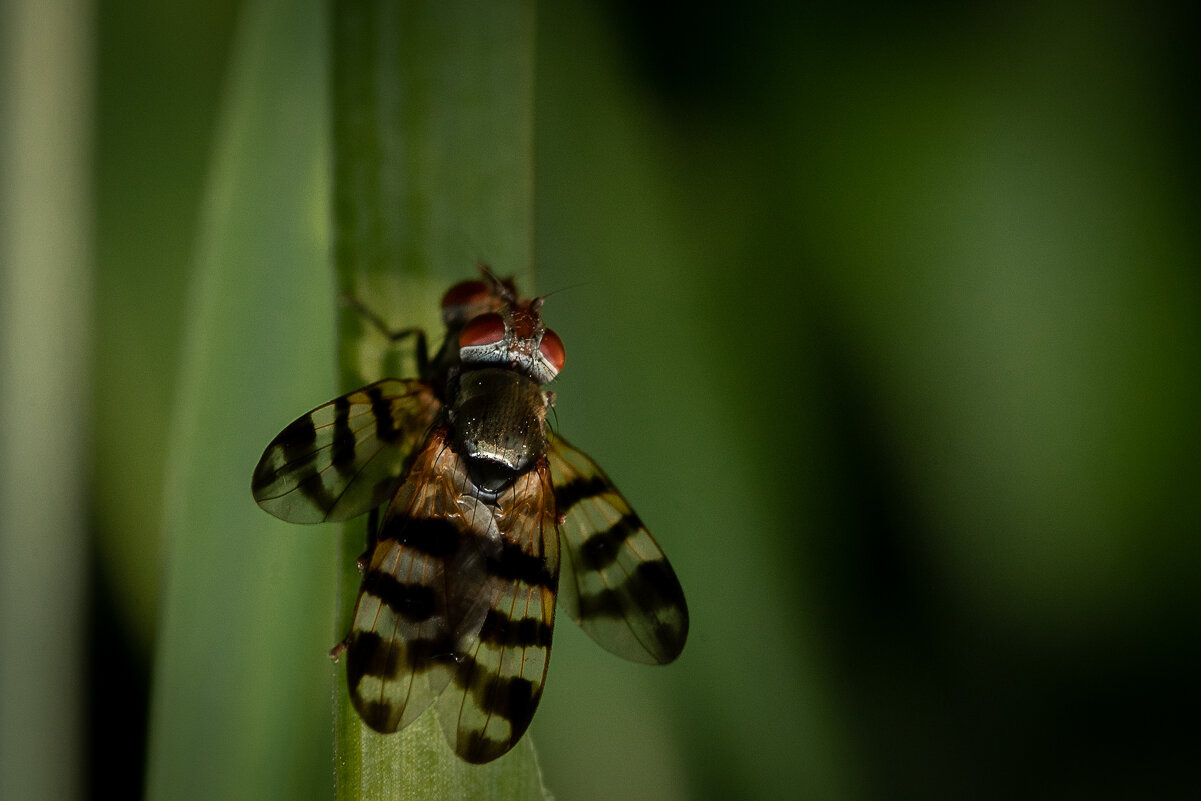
(504, 286)
(564, 289)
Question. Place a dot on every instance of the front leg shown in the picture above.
(394, 335)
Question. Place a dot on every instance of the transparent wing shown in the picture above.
(346, 457)
(413, 617)
(499, 678)
(458, 605)
(616, 583)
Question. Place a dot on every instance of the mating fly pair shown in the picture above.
(492, 521)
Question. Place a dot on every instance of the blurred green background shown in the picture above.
(886, 321)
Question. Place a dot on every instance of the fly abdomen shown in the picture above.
(489, 476)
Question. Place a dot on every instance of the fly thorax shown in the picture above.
(498, 422)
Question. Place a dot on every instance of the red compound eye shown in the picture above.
(466, 293)
(487, 329)
(552, 349)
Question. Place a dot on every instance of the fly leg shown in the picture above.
(394, 335)
(364, 560)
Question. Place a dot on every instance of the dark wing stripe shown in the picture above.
(381, 411)
(569, 494)
(604, 547)
(513, 698)
(432, 536)
(414, 602)
(341, 453)
(503, 632)
(373, 657)
(378, 715)
(297, 441)
(295, 444)
(652, 587)
(477, 749)
(311, 485)
(514, 564)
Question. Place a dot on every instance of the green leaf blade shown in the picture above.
(238, 707)
(432, 115)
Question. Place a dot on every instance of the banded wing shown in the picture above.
(346, 457)
(457, 605)
(616, 583)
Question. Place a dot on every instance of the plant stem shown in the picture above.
(432, 172)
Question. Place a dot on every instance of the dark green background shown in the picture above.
(885, 321)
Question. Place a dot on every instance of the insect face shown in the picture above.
(516, 338)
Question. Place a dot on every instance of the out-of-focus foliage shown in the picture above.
(160, 72)
(896, 313)
(885, 319)
(240, 682)
(45, 366)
